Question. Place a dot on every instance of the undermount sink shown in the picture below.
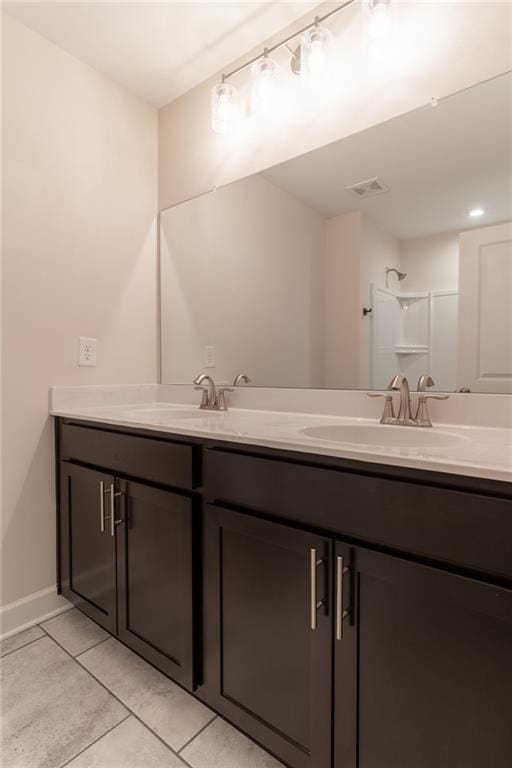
(385, 436)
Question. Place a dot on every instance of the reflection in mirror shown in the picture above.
(389, 251)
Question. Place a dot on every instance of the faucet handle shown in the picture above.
(422, 415)
(388, 414)
(221, 399)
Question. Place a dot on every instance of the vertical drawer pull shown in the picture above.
(102, 506)
(113, 521)
(341, 614)
(112, 511)
(315, 604)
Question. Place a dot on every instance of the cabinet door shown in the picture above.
(424, 664)
(269, 642)
(154, 534)
(88, 548)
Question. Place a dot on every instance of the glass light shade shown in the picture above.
(316, 44)
(264, 73)
(224, 107)
(380, 19)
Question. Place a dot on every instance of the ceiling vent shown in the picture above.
(368, 188)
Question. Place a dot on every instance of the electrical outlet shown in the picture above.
(87, 351)
(209, 357)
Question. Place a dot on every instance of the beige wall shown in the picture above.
(431, 263)
(243, 270)
(439, 49)
(79, 202)
(342, 286)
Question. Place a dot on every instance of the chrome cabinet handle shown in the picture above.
(102, 506)
(112, 516)
(315, 604)
(112, 511)
(341, 614)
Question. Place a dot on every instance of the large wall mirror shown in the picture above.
(388, 251)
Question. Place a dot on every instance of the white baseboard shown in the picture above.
(30, 610)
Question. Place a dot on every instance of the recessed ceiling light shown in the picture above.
(475, 212)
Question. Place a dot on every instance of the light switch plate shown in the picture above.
(87, 351)
(209, 357)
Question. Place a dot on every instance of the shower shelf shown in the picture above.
(418, 349)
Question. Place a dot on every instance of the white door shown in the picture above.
(484, 346)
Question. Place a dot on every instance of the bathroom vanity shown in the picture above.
(341, 611)
(338, 589)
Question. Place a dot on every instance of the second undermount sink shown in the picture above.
(385, 436)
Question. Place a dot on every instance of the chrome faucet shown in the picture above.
(241, 378)
(404, 416)
(209, 393)
(213, 398)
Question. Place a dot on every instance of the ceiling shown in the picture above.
(438, 162)
(158, 50)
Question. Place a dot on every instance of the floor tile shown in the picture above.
(74, 631)
(51, 707)
(167, 709)
(222, 746)
(128, 745)
(19, 640)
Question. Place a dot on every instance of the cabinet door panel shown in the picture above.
(429, 654)
(268, 671)
(88, 553)
(155, 577)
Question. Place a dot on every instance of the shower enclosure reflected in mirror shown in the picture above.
(388, 251)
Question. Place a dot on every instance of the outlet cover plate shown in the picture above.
(87, 351)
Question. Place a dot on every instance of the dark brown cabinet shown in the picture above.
(268, 648)
(88, 551)
(343, 615)
(154, 558)
(126, 561)
(423, 670)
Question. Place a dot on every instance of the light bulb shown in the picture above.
(224, 107)
(264, 85)
(317, 42)
(380, 19)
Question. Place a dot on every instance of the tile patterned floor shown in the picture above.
(74, 696)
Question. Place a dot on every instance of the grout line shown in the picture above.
(3, 656)
(95, 741)
(196, 735)
(130, 711)
(92, 646)
(82, 653)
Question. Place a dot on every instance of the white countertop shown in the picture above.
(466, 450)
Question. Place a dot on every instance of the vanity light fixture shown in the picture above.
(476, 212)
(380, 19)
(264, 73)
(310, 56)
(224, 107)
(316, 43)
